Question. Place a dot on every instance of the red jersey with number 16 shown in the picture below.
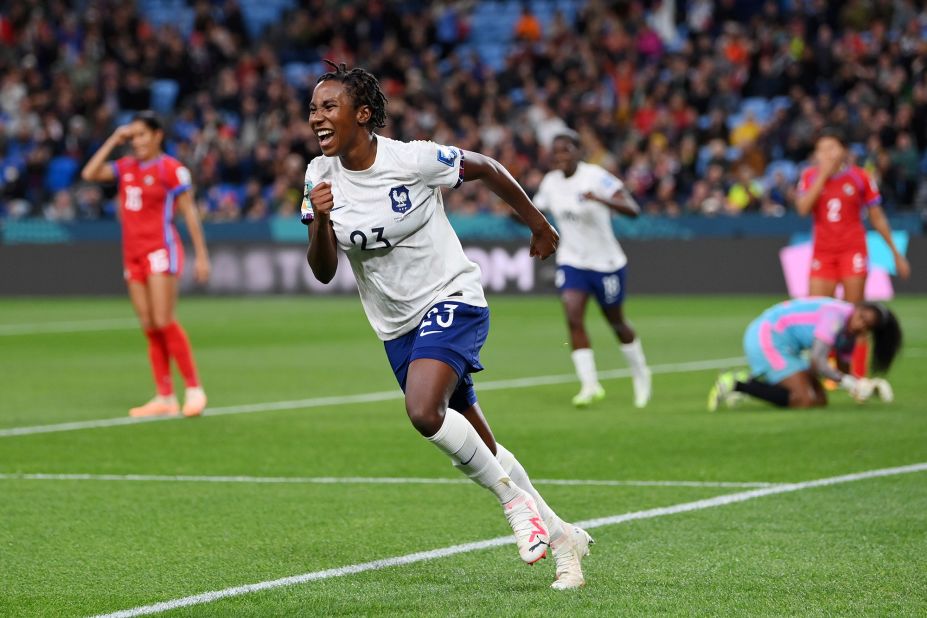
(147, 191)
(838, 212)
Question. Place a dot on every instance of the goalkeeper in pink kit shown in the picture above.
(788, 346)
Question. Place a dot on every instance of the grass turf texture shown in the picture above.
(82, 547)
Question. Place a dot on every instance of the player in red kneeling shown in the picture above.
(151, 186)
(836, 194)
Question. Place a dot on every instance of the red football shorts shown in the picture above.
(163, 261)
(837, 266)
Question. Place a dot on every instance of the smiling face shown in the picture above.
(335, 120)
(146, 142)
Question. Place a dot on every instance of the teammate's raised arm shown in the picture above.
(544, 238)
(621, 201)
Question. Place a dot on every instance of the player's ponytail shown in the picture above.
(886, 335)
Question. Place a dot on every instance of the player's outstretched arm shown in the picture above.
(858, 388)
(621, 202)
(323, 250)
(191, 217)
(544, 238)
(880, 224)
(96, 169)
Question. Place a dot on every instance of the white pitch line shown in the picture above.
(74, 326)
(357, 480)
(685, 507)
(338, 400)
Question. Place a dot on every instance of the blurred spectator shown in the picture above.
(687, 101)
(61, 208)
(746, 193)
(528, 27)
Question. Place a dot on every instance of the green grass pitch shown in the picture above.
(72, 547)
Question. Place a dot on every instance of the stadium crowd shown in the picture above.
(700, 106)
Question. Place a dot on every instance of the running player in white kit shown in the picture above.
(379, 200)
(582, 197)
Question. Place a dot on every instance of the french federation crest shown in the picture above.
(399, 196)
(447, 155)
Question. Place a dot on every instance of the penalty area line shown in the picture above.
(375, 565)
(73, 326)
(340, 400)
(358, 480)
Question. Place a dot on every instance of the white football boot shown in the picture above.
(569, 551)
(531, 534)
(642, 386)
(589, 395)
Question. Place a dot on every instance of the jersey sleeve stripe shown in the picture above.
(178, 190)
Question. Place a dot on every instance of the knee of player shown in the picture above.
(161, 321)
(426, 417)
(805, 399)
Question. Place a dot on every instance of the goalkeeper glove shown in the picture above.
(860, 389)
(883, 389)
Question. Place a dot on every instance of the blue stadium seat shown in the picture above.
(788, 168)
(782, 102)
(734, 120)
(760, 107)
(164, 95)
(60, 173)
(124, 117)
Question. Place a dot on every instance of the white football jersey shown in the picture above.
(389, 219)
(587, 240)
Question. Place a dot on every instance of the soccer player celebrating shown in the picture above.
(581, 197)
(836, 194)
(151, 185)
(379, 200)
(777, 345)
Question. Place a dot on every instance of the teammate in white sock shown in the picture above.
(582, 198)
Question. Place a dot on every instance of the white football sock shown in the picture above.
(584, 361)
(634, 353)
(517, 473)
(458, 440)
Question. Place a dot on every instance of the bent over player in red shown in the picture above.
(836, 194)
(151, 186)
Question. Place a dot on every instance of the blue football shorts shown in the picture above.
(608, 288)
(451, 332)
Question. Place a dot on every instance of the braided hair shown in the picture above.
(886, 336)
(363, 88)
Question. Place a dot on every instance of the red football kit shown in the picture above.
(839, 233)
(147, 191)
